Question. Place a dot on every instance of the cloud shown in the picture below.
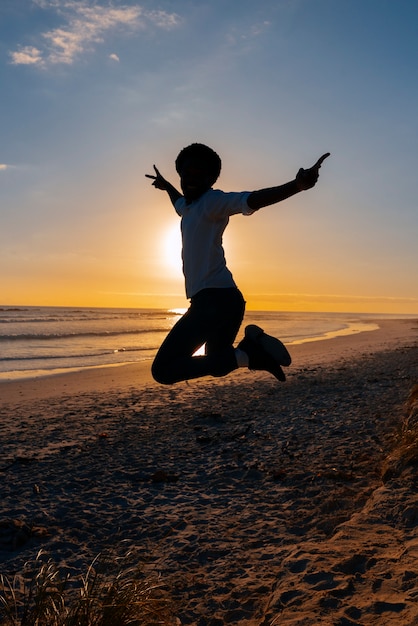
(163, 19)
(239, 35)
(85, 23)
(26, 55)
(114, 57)
(3, 166)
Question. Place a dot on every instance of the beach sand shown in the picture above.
(257, 502)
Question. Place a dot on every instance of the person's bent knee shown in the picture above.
(162, 375)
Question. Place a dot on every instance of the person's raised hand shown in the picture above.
(306, 179)
(159, 181)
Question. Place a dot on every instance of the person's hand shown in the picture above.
(306, 179)
(159, 181)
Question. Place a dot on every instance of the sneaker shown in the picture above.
(264, 352)
(271, 345)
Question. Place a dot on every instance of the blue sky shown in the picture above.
(95, 92)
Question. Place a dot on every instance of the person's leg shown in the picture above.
(226, 321)
(214, 318)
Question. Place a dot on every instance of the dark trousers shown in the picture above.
(214, 318)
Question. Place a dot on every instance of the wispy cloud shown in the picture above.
(239, 35)
(85, 24)
(3, 166)
(26, 55)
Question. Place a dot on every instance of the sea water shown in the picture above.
(39, 341)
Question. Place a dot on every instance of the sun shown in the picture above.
(171, 249)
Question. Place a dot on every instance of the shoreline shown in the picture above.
(350, 329)
(20, 375)
(347, 328)
(255, 502)
(389, 334)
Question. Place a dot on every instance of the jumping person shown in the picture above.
(216, 304)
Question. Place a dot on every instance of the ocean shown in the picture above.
(40, 341)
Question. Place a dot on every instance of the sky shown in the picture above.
(94, 92)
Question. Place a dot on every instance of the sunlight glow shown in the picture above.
(171, 250)
(178, 311)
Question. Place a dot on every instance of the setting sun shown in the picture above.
(171, 249)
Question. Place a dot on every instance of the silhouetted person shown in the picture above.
(216, 304)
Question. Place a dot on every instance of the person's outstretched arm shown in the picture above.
(161, 183)
(305, 179)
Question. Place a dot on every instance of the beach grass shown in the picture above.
(409, 442)
(405, 453)
(108, 594)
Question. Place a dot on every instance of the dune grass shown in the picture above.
(42, 595)
(409, 438)
(405, 453)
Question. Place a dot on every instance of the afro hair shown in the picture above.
(203, 154)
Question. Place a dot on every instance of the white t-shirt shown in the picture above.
(202, 226)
